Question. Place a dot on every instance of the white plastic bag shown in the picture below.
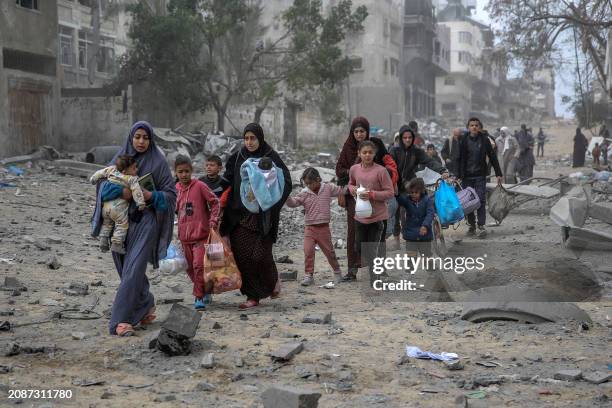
(363, 208)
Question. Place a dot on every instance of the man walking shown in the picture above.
(476, 152)
(450, 152)
(541, 139)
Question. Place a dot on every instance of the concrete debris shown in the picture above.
(77, 289)
(36, 242)
(290, 397)
(43, 153)
(74, 168)
(13, 349)
(177, 331)
(597, 377)
(284, 259)
(318, 318)
(208, 361)
(568, 375)
(524, 307)
(12, 283)
(570, 212)
(204, 387)
(286, 276)
(102, 155)
(287, 351)
(53, 263)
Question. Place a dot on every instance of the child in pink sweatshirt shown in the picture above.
(316, 199)
(370, 231)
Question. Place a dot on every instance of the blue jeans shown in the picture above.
(480, 185)
(392, 209)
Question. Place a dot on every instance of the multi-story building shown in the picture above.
(29, 87)
(77, 43)
(471, 86)
(544, 84)
(375, 89)
(426, 54)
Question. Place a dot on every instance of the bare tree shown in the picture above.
(533, 31)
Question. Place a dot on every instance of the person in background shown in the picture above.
(476, 150)
(581, 144)
(418, 140)
(431, 152)
(596, 153)
(541, 138)
(213, 178)
(525, 161)
(450, 151)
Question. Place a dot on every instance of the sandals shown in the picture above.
(249, 304)
(124, 330)
(149, 317)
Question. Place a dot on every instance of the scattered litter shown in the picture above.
(328, 285)
(15, 171)
(7, 185)
(476, 395)
(416, 352)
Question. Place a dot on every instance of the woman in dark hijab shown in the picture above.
(580, 147)
(149, 231)
(360, 131)
(252, 235)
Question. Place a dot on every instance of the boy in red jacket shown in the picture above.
(198, 213)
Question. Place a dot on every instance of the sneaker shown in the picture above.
(208, 299)
(472, 230)
(199, 304)
(308, 280)
(118, 248)
(104, 246)
(482, 231)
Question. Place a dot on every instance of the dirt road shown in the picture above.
(353, 362)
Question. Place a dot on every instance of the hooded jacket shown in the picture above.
(195, 224)
(419, 214)
(409, 158)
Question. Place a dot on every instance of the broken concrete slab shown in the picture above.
(12, 283)
(597, 377)
(53, 263)
(570, 212)
(77, 289)
(43, 153)
(528, 306)
(290, 397)
(37, 242)
(568, 375)
(601, 211)
(171, 343)
(182, 320)
(102, 154)
(318, 318)
(287, 351)
(288, 276)
(583, 238)
(75, 168)
(208, 361)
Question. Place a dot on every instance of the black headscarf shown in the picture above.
(267, 220)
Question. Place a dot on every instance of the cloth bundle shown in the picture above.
(260, 188)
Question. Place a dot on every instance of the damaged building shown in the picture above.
(29, 84)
